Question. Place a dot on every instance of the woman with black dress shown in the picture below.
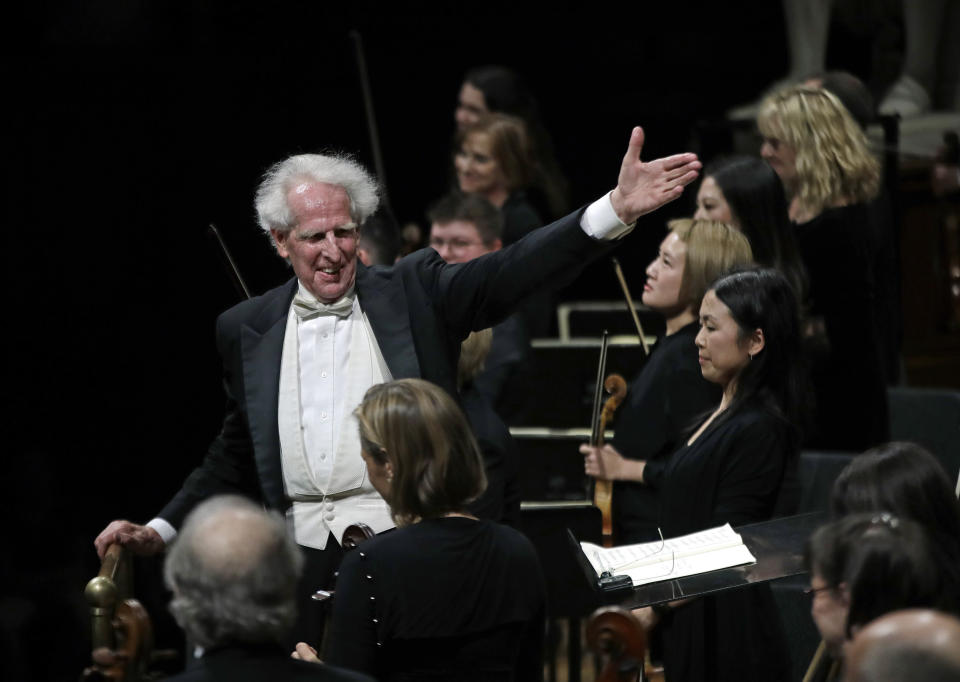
(445, 596)
(731, 470)
(831, 180)
(669, 392)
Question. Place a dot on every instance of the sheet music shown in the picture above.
(700, 552)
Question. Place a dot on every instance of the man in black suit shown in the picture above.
(298, 359)
(232, 572)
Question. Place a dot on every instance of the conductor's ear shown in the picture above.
(280, 240)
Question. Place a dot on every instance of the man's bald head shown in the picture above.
(913, 644)
(229, 536)
(233, 571)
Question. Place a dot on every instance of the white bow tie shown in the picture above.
(308, 307)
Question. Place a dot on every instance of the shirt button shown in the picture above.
(323, 455)
(330, 506)
(323, 374)
(323, 415)
(329, 517)
(325, 335)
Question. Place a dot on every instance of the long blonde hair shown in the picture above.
(833, 163)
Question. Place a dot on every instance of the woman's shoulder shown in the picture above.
(510, 538)
(679, 351)
(851, 217)
(417, 542)
(754, 421)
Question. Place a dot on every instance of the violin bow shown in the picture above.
(229, 264)
(372, 133)
(633, 309)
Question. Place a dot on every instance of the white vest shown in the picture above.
(331, 492)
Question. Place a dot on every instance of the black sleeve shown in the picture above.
(352, 639)
(490, 504)
(228, 466)
(530, 660)
(484, 291)
(751, 472)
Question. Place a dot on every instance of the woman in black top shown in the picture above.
(669, 392)
(731, 470)
(445, 596)
(831, 180)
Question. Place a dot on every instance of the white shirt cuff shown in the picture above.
(600, 221)
(167, 532)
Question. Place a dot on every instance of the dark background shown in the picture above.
(132, 125)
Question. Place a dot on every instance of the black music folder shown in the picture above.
(777, 546)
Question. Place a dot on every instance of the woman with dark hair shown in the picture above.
(746, 192)
(903, 479)
(445, 596)
(731, 470)
(866, 565)
(497, 89)
(906, 481)
(670, 392)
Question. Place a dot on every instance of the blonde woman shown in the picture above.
(446, 595)
(831, 180)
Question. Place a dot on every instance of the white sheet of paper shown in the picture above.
(701, 552)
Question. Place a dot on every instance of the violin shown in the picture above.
(616, 386)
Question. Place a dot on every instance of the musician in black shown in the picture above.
(669, 393)
(446, 595)
(731, 469)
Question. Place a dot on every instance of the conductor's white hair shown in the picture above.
(273, 213)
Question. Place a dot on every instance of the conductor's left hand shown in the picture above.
(645, 186)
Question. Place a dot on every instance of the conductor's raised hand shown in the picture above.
(645, 186)
(141, 540)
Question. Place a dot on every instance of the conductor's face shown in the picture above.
(322, 246)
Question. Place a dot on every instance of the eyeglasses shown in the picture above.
(634, 563)
(455, 245)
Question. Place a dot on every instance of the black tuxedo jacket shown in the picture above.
(420, 309)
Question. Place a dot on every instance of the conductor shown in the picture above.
(298, 359)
